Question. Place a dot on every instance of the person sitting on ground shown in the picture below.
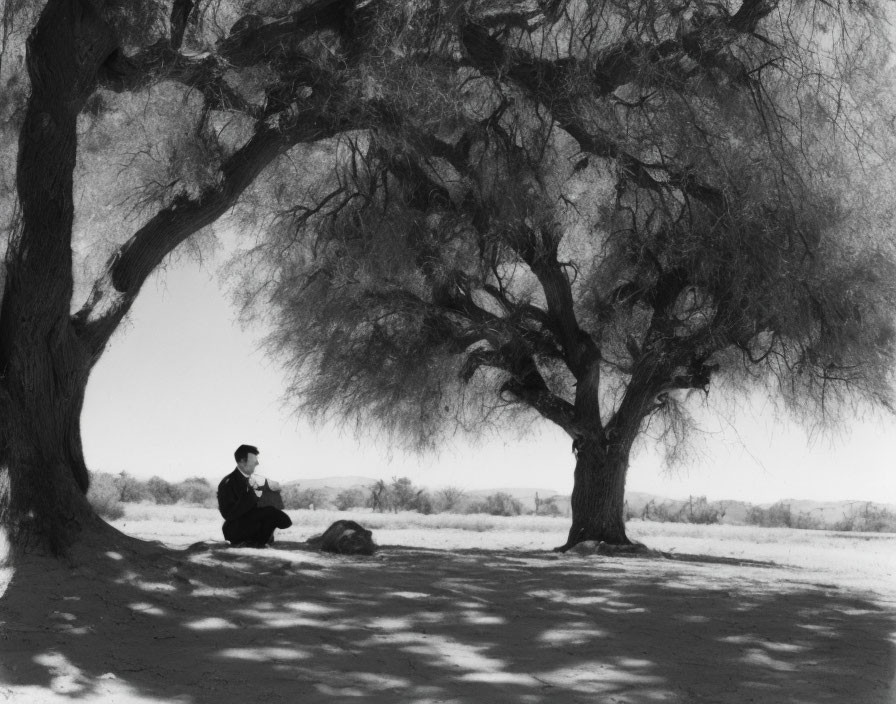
(246, 524)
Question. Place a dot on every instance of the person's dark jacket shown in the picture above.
(235, 496)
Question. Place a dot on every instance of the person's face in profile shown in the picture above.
(249, 464)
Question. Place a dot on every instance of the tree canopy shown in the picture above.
(590, 210)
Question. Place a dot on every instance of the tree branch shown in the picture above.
(254, 44)
(128, 268)
(268, 42)
(535, 393)
(160, 62)
(547, 82)
(180, 14)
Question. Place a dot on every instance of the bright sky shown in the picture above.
(182, 385)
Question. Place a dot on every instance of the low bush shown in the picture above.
(161, 492)
(295, 497)
(349, 498)
(868, 518)
(196, 490)
(448, 499)
(499, 504)
(103, 495)
(547, 507)
(780, 515)
(399, 495)
(131, 489)
(695, 510)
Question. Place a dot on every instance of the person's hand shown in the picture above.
(273, 486)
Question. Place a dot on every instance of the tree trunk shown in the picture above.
(598, 494)
(43, 365)
(44, 386)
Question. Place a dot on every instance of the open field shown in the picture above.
(859, 560)
(454, 609)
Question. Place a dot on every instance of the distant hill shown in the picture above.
(338, 483)
(831, 511)
(735, 512)
(526, 496)
(331, 486)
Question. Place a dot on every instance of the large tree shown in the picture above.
(129, 128)
(589, 210)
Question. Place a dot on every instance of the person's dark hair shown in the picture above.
(243, 451)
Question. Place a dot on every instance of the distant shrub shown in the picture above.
(403, 494)
(806, 521)
(499, 504)
(868, 519)
(780, 515)
(295, 497)
(424, 504)
(161, 492)
(195, 490)
(695, 510)
(103, 496)
(698, 510)
(349, 498)
(661, 513)
(399, 495)
(547, 507)
(131, 490)
(448, 499)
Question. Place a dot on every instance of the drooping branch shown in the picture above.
(128, 268)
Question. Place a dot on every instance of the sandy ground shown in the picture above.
(472, 617)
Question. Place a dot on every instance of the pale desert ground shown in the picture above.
(453, 609)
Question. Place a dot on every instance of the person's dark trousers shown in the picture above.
(256, 525)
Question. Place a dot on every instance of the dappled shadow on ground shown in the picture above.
(212, 624)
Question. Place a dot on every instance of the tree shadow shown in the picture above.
(212, 624)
